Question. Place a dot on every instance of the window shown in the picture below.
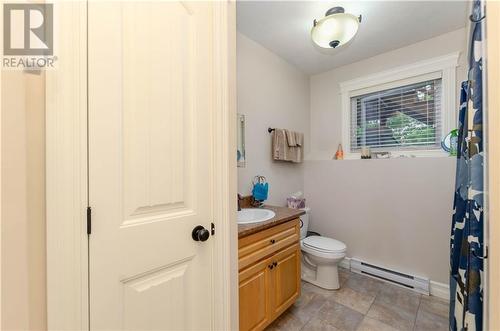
(402, 118)
(405, 110)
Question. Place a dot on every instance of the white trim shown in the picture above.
(445, 66)
(492, 161)
(225, 302)
(397, 83)
(436, 64)
(66, 172)
(1, 187)
(440, 290)
(401, 154)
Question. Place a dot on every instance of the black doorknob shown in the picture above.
(200, 233)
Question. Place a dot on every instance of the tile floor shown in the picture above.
(363, 304)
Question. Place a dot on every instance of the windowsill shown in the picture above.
(402, 155)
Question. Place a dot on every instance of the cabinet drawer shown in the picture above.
(264, 243)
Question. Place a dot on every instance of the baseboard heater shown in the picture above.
(416, 283)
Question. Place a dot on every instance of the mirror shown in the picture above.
(240, 122)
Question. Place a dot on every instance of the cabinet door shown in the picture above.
(254, 290)
(286, 279)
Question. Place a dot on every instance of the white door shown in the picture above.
(151, 101)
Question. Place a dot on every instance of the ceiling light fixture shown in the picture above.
(335, 29)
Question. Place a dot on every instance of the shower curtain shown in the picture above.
(466, 246)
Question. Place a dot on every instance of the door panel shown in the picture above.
(158, 97)
(163, 293)
(286, 278)
(254, 293)
(150, 172)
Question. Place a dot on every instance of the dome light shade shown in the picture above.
(335, 29)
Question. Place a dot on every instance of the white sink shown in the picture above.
(254, 215)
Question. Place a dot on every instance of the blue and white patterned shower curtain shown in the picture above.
(466, 247)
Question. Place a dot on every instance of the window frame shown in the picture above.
(443, 67)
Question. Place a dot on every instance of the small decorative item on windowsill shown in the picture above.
(381, 155)
(366, 153)
(339, 155)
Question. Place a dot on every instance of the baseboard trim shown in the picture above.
(439, 290)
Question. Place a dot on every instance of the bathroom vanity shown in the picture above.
(269, 267)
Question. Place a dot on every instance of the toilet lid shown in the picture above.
(324, 244)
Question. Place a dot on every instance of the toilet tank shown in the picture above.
(304, 224)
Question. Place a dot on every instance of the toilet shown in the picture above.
(320, 257)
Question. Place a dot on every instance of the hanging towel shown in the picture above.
(281, 149)
(299, 138)
(291, 138)
(294, 153)
(279, 145)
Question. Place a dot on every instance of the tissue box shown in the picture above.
(296, 203)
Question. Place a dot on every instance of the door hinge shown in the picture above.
(89, 220)
(212, 228)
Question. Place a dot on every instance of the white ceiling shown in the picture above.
(284, 28)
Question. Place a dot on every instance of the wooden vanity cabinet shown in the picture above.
(285, 285)
(255, 307)
(270, 282)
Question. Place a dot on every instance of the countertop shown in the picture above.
(283, 215)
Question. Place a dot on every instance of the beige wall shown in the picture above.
(23, 202)
(271, 93)
(394, 212)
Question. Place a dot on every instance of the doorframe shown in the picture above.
(1, 186)
(225, 303)
(492, 303)
(66, 172)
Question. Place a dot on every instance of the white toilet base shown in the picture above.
(325, 276)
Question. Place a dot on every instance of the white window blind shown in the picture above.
(402, 118)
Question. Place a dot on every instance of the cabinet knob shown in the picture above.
(275, 263)
(272, 241)
(271, 266)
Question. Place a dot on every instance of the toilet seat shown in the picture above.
(324, 244)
